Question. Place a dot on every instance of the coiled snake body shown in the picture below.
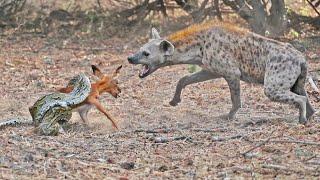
(52, 111)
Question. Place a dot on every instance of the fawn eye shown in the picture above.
(145, 53)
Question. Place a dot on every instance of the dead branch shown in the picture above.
(210, 130)
(163, 8)
(296, 142)
(314, 7)
(276, 167)
(217, 8)
(168, 139)
(252, 123)
(244, 154)
(154, 131)
(217, 138)
(296, 20)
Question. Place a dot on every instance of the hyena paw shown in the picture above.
(310, 113)
(303, 120)
(226, 117)
(174, 102)
(231, 116)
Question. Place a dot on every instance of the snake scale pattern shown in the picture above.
(52, 111)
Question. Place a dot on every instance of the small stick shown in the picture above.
(296, 142)
(210, 130)
(154, 131)
(259, 145)
(276, 167)
(313, 7)
(238, 136)
(168, 139)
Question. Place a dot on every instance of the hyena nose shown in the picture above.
(131, 59)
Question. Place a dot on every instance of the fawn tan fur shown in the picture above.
(104, 84)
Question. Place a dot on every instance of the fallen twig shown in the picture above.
(85, 49)
(276, 167)
(244, 154)
(168, 139)
(252, 123)
(293, 141)
(210, 130)
(296, 142)
(154, 131)
(217, 138)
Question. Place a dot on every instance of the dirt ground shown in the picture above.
(155, 140)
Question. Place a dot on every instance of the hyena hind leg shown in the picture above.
(290, 98)
(282, 74)
(298, 88)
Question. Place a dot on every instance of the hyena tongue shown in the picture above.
(144, 70)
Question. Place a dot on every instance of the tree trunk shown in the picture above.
(277, 18)
(255, 12)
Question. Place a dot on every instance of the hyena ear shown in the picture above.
(117, 71)
(154, 34)
(166, 47)
(96, 71)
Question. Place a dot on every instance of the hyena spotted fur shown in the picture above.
(232, 53)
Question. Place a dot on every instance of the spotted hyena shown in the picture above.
(225, 51)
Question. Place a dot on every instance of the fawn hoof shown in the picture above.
(174, 102)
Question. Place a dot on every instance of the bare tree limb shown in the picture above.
(217, 8)
(163, 8)
(314, 6)
(258, 145)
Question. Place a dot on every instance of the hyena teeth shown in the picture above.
(144, 70)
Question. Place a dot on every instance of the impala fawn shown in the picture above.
(104, 84)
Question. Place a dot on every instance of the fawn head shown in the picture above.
(107, 83)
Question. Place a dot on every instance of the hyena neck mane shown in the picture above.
(195, 32)
(188, 42)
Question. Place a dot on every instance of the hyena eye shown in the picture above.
(145, 53)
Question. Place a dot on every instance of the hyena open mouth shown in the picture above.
(145, 71)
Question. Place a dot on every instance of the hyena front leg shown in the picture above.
(200, 76)
(234, 86)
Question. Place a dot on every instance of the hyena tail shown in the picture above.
(298, 86)
(304, 70)
(303, 76)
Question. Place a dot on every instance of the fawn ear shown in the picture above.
(96, 71)
(117, 71)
